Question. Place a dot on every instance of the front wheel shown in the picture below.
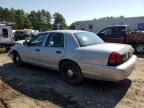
(71, 73)
(16, 58)
(139, 48)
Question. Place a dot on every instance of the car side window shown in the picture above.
(55, 40)
(38, 40)
(117, 31)
(107, 31)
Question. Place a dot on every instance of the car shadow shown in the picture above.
(44, 84)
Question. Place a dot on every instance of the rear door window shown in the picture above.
(118, 31)
(55, 40)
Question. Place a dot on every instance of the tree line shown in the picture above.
(41, 20)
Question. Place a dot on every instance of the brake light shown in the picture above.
(114, 59)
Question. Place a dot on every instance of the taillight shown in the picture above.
(114, 59)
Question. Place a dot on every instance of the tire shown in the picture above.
(17, 60)
(71, 73)
(139, 48)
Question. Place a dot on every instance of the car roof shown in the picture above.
(64, 31)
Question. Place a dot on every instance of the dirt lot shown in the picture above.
(34, 87)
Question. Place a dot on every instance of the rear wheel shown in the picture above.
(71, 73)
(139, 48)
(16, 58)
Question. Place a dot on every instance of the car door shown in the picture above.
(118, 34)
(53, 51)
(31, 52)
(112, 34)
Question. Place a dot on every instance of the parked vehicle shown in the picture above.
(6, 36)
(22, 35)
(77, 54)
(123, 34)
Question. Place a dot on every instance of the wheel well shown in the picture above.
(14, 51)
(136, 43)
(66, 60)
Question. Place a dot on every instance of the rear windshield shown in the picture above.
(18, 33)
(88, 38)
(21, 33)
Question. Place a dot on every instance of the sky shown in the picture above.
(79, 10)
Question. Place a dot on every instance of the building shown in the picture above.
(136, 23)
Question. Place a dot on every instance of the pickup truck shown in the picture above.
(123, 34)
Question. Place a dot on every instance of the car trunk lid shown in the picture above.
(101, 52)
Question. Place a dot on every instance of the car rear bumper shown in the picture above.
(109, 73)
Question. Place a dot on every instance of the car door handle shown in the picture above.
(58, 52)
(37, 50)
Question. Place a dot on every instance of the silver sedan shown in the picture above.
(76, 54)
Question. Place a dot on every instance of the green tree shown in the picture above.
(6, 15)
(41, 20)
(27, 23)
(72, 26)
(12, 14)
(1, 14)
(59, 21)
(19, 19)
(45, 20)
(34, 20)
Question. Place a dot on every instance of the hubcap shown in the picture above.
(70, 73)
(140, 48)
(17, 58)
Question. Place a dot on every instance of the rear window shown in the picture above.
(5, 33)
(88, 38)
(18, 33)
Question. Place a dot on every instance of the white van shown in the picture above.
(6, 36)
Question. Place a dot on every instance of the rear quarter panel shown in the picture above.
(93, 57)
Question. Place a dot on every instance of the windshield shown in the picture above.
(88, 38)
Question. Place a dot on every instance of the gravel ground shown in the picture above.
(35, 87)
